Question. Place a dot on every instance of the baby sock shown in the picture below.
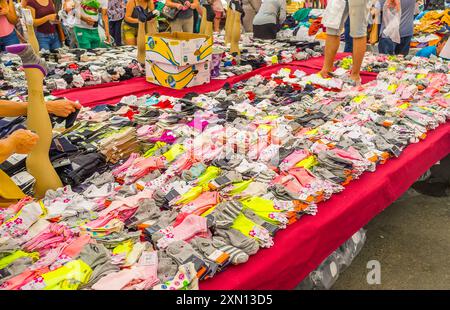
(225, 213)
(224, 180)
(237, 256)
(249, 245)
(147, 210)
(183, 253)
(29, 58)
(205, 246)
(251, 215)
(167, 267)
(167, 217)
(189, 227)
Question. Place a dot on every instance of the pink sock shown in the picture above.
(189, 227)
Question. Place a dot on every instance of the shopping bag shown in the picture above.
(391, 21)
(333, 14)
(373, 36)
(169, 13)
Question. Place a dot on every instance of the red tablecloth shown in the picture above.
(111, 93)
(301, 247)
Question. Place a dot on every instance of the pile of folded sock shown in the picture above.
(72, 68)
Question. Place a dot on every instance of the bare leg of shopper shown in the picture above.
(331, 48)
(359, 49)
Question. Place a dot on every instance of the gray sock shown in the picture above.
(167, 267)
(239, 240)
(146, 211)
(226, 179)
(104, 178)
(182, 252)
(151, 176)
(282, 193)
(98, 258)
(127, 190)
(166, 219)
(251, 215)
(29, 57)
(237, 256)
(225, 213)
(15, 268)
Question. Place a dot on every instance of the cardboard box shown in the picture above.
(179, 48)
(178, 77)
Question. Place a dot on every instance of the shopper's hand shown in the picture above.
(3, 10)
(23, 141)
(108, 39)
(89, 21)
(187, 4)
(179, 6)
(52, 17)
(393, 4)
(62, 108)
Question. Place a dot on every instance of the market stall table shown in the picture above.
(299, 249)
(111, 93)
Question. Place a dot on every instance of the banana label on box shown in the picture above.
(179, 49)
(177, 77)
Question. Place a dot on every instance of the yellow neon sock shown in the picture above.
(190, 195)
(153, 149)
(308, 162)
(175, 151)
(68, 277)
(210, 173)
(7, 260)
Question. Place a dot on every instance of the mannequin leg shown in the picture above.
(141, 43)
(228, 25)
(28, 18)
(209, 28)
(152, 27)
(32, 40)
(38, 163)
(9, 192)
(203, 21)
(236, 34)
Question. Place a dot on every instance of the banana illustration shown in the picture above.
(204, 50)
(173, 80)
(162, 49)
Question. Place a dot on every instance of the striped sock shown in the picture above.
(237, 256)
(225, 213)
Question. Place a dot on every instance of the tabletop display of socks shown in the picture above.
(71, 68)
(211, 178)
(256, 53)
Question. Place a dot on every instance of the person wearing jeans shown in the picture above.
(86, 26)
(386, 45)
(116, 13)
(45, 18)
(8, 18)
(358, 11)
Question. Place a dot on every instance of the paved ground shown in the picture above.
(411, 240)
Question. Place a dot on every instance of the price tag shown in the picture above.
(16, 158)
(22, 178)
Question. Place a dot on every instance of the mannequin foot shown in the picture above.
(28, 56)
